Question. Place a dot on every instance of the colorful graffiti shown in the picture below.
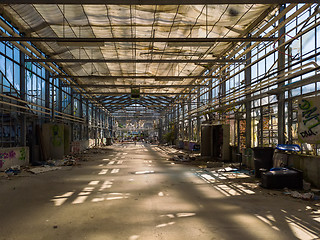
(309, 120)
(57, 135)
(5, 155)
(22, 154)
(13, 156)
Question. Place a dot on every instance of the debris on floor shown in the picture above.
(303, 196)
(227, 169)
(71, 160)
(45, 168)
(182, 158)
(13, 170)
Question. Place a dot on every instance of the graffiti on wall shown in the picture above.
(309, 120)
(13, 156)
(57, 135)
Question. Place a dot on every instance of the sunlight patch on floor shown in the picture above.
(134, 237)
(116, 170)
(268, 221)
(301, 231)
(80, 199)
(143, 172)
(103, 172)
(165, 224)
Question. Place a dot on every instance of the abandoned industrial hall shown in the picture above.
(159, 120)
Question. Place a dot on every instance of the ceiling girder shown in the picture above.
(114, 40)
(136, 60)
(128, 93)
(134, 77)
(122, 103)
(154, 2)
(133, 86)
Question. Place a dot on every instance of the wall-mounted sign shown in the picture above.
(309, 120)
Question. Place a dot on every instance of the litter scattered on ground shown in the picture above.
(227, 169)
(43, 169)
(303, 196)
(71, 160)
(13, 170)
(182, 158)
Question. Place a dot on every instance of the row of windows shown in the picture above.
(301, 53)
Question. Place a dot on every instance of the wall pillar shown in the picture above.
(281, 96)
(23, 120)
(198, 116)
(189, 121)
(248, 102)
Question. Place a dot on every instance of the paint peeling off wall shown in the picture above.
(13, 156)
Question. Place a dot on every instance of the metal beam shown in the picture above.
(113, 40)
(137, 60)
(128, 93)
(133, 86)
(154, 2)
(134, 77)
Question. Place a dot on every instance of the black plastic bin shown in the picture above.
(279, 179)
(263, 159)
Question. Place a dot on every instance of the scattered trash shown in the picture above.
(182, 158)
(303, 196)
(13, 170)
(55, 226)
(43, 169)
(227, 169)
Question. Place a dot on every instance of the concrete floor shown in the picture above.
(132, 192)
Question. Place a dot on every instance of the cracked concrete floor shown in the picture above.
(130, 192)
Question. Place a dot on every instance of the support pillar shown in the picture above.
(23, 120)
(281, 96)
(210, 99)
(189, 121)
(160, 129)
(198, 117)
(72, 114)
(183, 119)
(222, 92)
(52, 95)
(47, 91)
(248, 102)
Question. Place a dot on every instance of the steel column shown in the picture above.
(23, 136)
(281, 95)
(198, 117)
(183, 118)
(248, 103)
(189, 121)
